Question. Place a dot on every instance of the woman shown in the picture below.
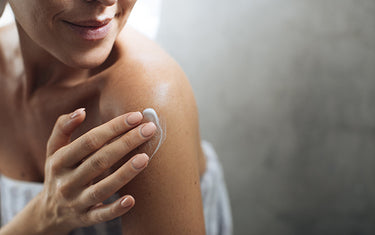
(62, 55)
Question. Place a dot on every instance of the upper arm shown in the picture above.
(167, 192)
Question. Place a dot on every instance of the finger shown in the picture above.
(63, 129)
(97, 137)
(110, 185)
(111, 211)
(107, 156)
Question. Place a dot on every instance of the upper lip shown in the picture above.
(91, 23)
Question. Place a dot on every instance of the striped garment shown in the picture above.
(14, 195)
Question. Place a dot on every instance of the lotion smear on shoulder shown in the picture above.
(150, 115)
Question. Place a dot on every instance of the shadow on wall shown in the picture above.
(286, 92)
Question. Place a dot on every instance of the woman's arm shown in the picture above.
(168, 197)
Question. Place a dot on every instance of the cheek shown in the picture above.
(24, 13)
(125, 6)
(34, 18)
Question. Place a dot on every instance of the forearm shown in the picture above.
(30, 221)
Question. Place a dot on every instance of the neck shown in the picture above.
(42, 69)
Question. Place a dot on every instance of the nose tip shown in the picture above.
(104, 2)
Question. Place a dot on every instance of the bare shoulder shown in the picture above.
(167, 192)
(146, 76)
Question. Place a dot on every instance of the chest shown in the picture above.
(25, 128)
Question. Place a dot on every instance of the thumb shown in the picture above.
(63, 129)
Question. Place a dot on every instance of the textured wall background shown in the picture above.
(286, 93)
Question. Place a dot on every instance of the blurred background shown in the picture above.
(286, 94)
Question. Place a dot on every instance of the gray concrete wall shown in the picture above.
(286, 93)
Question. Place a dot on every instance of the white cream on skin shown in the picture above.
(149, 114)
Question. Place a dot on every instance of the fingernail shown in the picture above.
(77, 113)
(126, 202)
(134, 118)
(148, 129)
(140, 161)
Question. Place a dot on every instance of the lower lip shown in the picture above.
(91, 33)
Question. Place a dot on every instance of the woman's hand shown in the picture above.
(72, 196)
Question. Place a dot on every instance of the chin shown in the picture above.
(87, 64)
(88, 61)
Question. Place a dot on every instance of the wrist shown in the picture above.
(47, 222)
(33, 221)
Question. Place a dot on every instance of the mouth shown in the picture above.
(91, 30)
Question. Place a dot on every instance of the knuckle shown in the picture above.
(124, 177)
(125, 174)
(60, 153)
(92, 217)
(113, 210)
(98, 217)
(95, 194)
(99, 163)
(115, 127)
(127, 142)
(53, 165)
(91, 142)
(63, 189)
